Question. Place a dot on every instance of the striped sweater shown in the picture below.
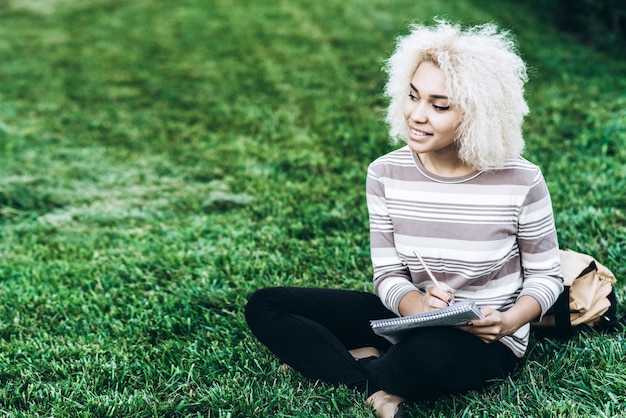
(489, 235)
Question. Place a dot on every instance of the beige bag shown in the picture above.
(589, 287)
(588, 300)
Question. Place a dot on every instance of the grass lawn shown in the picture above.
(159, 161)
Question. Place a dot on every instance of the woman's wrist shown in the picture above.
(523, 311)
(411, 303)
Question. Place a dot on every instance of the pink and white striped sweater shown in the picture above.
(490, 235)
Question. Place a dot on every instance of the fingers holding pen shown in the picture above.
(437, 298)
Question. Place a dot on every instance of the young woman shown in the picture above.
(460, 195)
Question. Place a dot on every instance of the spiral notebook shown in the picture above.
(394, 329)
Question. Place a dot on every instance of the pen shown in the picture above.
(430, 274)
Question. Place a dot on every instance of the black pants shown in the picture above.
(312, 330)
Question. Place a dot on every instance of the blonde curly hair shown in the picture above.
(485, 80)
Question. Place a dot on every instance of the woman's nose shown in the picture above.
(418, 113)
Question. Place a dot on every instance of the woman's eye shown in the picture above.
(441, 108)
(412, 96)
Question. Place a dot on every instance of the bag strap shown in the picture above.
(591, 267)
(575, 265)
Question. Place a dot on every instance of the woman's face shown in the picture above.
(430, 118)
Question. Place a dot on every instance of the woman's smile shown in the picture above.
(419, 133)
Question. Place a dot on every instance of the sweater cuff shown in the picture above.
(546, 294)
(392, 290)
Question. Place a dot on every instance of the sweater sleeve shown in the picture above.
(537, 240)
(391, 275)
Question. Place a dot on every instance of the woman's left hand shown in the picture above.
(495, 324)
(491, 327)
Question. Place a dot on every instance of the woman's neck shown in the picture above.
(445, 165)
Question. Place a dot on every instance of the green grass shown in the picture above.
(159, 161)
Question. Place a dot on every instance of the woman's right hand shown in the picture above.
(437, 298)
(416, 302)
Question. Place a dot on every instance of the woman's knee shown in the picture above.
(261, 303)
